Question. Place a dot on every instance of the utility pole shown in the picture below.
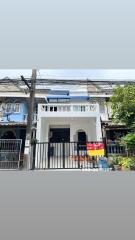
(29, 130)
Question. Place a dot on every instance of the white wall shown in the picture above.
(85, 124)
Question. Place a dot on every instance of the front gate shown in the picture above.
(69, 155)
(10, 150)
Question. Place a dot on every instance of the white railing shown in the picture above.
(69, 108)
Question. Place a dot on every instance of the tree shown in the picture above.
(123, 105)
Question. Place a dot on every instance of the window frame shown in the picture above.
(19, 107)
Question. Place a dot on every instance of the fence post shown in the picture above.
(127, 153)
(105, 145)
(49, 155)
(78, 157)
(63, 155)
(34, 153)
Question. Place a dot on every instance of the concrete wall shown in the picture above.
(76, 124)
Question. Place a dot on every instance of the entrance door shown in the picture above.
(59, 144)
(59, 135)
(82, 140)
(82, 137)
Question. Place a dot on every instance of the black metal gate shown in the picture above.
(10, 150)
(71, 155)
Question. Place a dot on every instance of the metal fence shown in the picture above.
(71, 155)
(118, 149)
(46, 155)
(115, 149)
(10, 150)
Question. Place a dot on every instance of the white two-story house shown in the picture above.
(69, 119)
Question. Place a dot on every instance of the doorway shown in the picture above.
(8, 135)
(82, 140)
(82, 137)
(58, 135)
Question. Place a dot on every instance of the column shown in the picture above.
(98, 129)
(39, 129)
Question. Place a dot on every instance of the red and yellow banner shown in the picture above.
(95, 149)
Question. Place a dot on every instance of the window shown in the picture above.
(3, 107)
(52, 100)
(0, 106)
(9, 107)
(58, 100)
(6, 107)
(102, 108)
(16, 107)
(63, 100)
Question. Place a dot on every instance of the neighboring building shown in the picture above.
(14, 112)
(101, 94)
(13, 120)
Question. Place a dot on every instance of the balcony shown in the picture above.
(68, 110)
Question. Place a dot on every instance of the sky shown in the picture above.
(71, 74)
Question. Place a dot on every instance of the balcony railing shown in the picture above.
(69, 108)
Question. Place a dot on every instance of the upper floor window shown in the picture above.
(58, 100)
(16, 107)
(10, 107)
(102, 108)
(0, 106)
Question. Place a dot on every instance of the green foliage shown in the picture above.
(132, 163)
(125, 162)
(128, 162)
(129, 141)
(116, 159)
(123, 105)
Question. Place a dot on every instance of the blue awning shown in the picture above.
(68, 97)
(58, 97)
(80, 97)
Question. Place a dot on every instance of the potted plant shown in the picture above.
(115, 163)
(132, 163)
(125, 163)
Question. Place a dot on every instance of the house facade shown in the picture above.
(70, 119)
(60, 115)
(70, 115)
(13, 118)
(78, 115)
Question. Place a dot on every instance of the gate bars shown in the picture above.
(10, 150)
(64, 155)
